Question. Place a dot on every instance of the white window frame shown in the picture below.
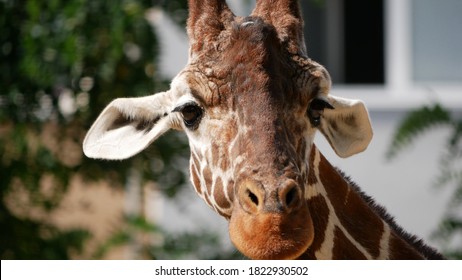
(400, 91)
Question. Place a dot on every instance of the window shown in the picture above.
(436, 43)
(348, 37)
(393, 54)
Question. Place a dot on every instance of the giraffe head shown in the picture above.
(250, 102)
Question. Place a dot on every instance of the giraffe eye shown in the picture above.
(191, 114)
(316, 109)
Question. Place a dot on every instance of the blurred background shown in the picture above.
(62, 62)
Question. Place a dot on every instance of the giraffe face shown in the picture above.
(250, 102)
(251, 137)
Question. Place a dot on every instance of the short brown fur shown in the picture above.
(251, 101)
(256, 68)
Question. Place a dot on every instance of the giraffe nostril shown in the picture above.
(252, 197)
(291, 197)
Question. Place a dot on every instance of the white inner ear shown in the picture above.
(127, 126)
(347, 127)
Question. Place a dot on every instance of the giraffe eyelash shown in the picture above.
(191, 113)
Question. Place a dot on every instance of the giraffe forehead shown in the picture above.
(252, 91)
(248, 64)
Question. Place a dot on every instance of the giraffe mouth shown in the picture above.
(271, 235)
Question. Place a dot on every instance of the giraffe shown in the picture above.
(250, 101)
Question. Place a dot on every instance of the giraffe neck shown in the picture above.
(348, 224)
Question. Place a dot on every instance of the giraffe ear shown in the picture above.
(128, 125)
(346, 126)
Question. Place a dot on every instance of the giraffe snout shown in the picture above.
(271, 222)
(255, 198)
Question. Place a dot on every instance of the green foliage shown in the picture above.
(187, 245)
(62, 61)
(165, 245)
(450, 228)
(23, 238)
(416, 123)
(413, 126)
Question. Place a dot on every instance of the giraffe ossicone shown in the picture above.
(250, 101)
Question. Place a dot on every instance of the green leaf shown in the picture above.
(416, 123)
(119, 238)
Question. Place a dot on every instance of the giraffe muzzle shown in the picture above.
(255, 198)
(271, 223)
